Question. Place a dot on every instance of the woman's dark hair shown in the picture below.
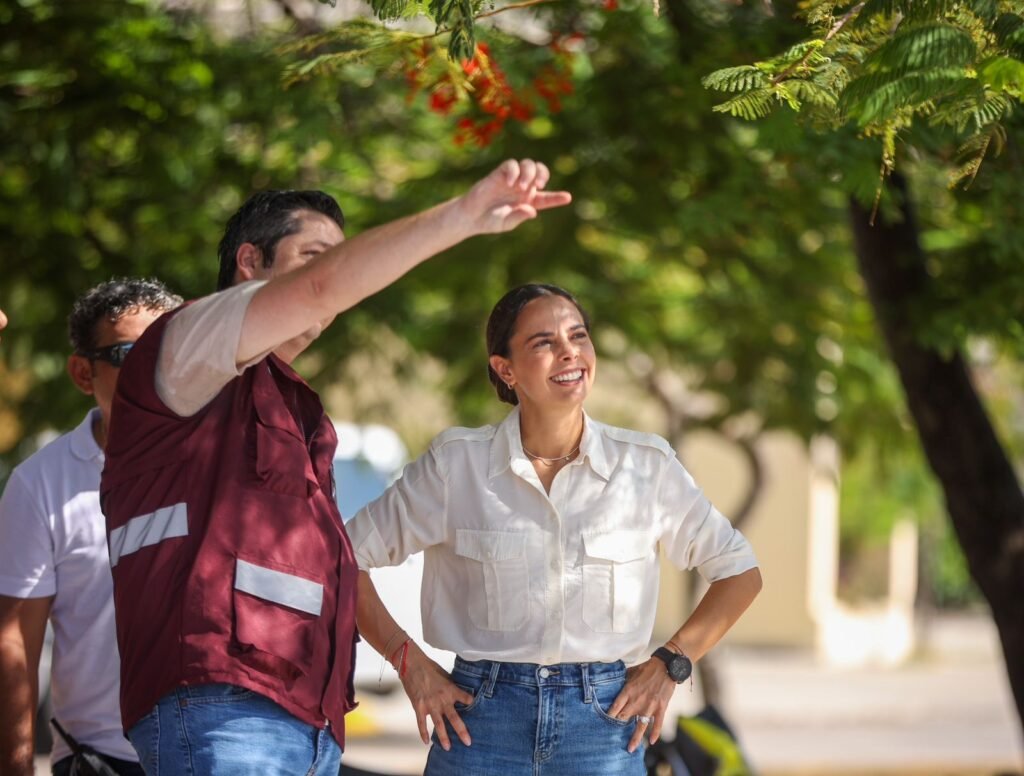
(501, 326)
(265, 219)
(112, 300)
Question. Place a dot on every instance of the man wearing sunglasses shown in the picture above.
(54, 563)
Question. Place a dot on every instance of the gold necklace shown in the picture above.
(551, 461)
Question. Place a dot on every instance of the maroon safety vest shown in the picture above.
(230, 560)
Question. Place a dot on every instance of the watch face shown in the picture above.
(680, 668)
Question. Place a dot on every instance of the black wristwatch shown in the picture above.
(679, 666)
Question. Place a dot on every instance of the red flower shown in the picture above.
(443, 98)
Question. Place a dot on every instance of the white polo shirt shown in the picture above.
(53, 542)
(515, 574)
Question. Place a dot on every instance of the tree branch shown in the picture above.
(849, 15)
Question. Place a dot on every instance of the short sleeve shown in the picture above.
(407, 518)
(199, 349)
(694, 533)
(26, 544)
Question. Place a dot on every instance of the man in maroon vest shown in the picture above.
(234, 580)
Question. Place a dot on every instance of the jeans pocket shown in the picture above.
(469, 683)
(602, 698)
(476, 692)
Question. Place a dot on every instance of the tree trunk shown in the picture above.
(982, 494)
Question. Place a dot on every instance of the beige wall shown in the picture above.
(780, 527)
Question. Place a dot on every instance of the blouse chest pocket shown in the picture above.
(499, 579)
(615, 566)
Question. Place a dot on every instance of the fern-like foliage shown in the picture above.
(972, 153)
(1009, 31)
(388, 10)
(750, 105)
(457, 18)
(355, 41)
(744, 78)
(911, 10)
(873, 97)
(922, 46)
(885, 65)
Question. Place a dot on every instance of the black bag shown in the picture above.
(704, 745)
(86, 761)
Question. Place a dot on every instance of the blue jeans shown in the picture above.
(229, 731)
(532, 720)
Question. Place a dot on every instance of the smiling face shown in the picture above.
(551, 361)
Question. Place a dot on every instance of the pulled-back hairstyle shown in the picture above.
(501, 326)
(112, 300)
(265, 219)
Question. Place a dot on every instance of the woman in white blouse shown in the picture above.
(540, 538)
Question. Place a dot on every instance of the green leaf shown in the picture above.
(736, 79)
(924, 46)
(972, 153)
(749, 106)
(874, 96)
(911, 10)
(811, 93)
(1009, 31)
(389, 10)
(1003, 74)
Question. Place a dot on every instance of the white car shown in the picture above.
(368, 459)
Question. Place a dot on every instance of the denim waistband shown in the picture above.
(535, 674)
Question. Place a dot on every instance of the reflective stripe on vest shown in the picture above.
(147, 530)
(285, 589)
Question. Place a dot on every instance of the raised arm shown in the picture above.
(342, 276)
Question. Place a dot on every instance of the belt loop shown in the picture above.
(491, 679)
(588, 692)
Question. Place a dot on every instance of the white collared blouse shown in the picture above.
(515, 574)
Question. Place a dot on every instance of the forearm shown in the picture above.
(376, 625)
(717, 612)
(19, 690)
(338, 279)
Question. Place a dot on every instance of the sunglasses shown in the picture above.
(112, 354)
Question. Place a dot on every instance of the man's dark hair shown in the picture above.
(501, 326)
(265, 219)
(112, 300)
